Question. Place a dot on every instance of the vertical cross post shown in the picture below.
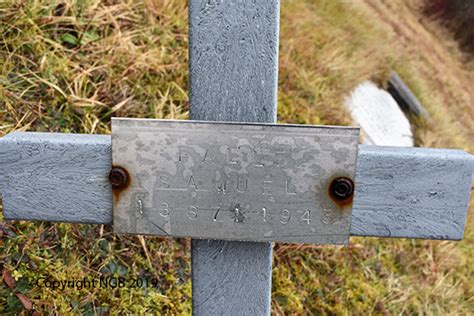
(233, 65)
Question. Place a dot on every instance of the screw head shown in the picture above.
(118, 178)
(342, 188)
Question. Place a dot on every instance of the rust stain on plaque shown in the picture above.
(341, 203)
(118, 188)
(234, 181)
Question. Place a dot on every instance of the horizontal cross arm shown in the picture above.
(400, 192)
(411, 192)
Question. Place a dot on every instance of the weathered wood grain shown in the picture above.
(56, 177)
(400, 192)
(233, 68)
(233, 60)
(411, 192)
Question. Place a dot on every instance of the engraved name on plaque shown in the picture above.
(232, 181)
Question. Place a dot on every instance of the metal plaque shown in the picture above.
(233, 181)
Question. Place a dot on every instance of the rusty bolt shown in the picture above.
(118, 178)
(342, 188)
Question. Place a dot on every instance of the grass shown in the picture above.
(68, 66)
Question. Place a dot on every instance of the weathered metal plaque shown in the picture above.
(254, 182)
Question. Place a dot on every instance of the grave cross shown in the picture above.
(399, 192)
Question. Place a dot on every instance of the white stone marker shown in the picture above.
(381, 120)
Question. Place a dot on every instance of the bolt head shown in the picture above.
(342, 188)
(118, 178)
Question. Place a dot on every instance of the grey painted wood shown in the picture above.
(233, 65)
(411, 192)
(56, 177)
(233, 60)
(400, 192)
(231, 277)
